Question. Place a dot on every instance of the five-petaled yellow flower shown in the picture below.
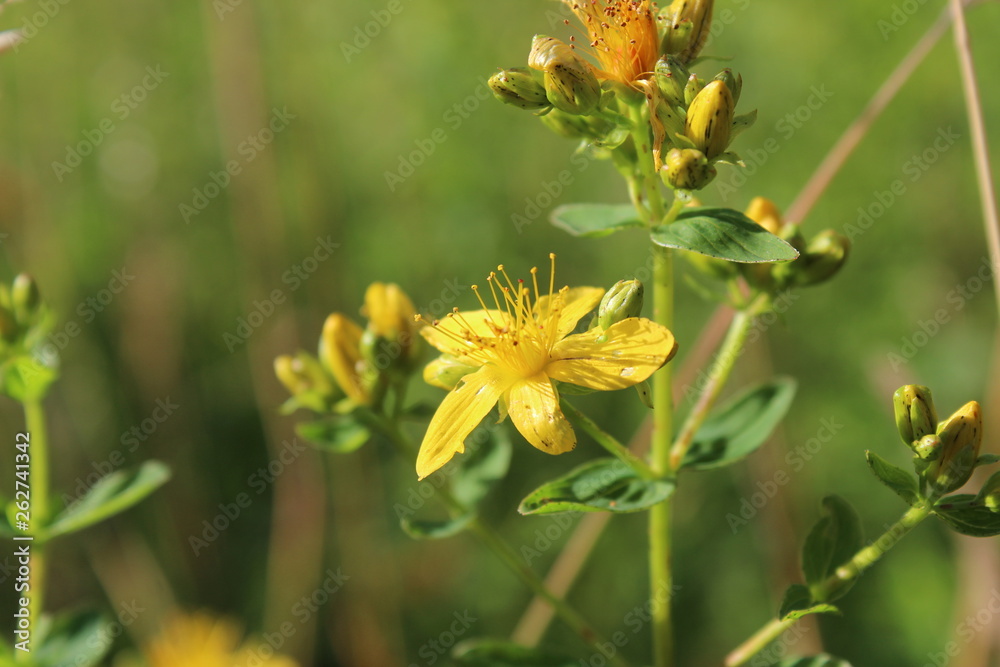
(623, 37)
(521, 348)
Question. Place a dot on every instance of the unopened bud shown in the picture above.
(570, 84)
(341, 354)
(710, 119)
(391, 319)
(688, 23)
(517, 86)
(670, 119)
(687, 169)
(734, 82)
(25, 297)
(671, 78)
(621, 302)
(763, 211)
(692, 88)
(302, 375)
(961, 436)
(824, 256)
(446, 371)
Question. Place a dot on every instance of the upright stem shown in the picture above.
(844, 575)
(38, 476)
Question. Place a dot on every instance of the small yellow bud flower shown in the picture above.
(518, 87)
(961, 436)
(570, 83)
(688, 23)
(824, 256)
(622, 301)
(763, 211)
(341, 354)
(915, 415)
(391, 318)
(687, 169)
(710, 119)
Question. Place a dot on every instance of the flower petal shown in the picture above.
(631, 351)
(569, 306)
(533, 406)
(474, 323)
(459, 413)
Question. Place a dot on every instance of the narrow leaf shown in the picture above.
(594, 220)
(724, 234)
(821, 608)
(832, 542)
(341, 434)
(968, 516)
(497, 653)
(897, 479)
(796, 597)
(112, 494)
(435, 530)
(604, 485)
(741, 426)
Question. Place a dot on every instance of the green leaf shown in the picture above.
(724, 234)
(603, 485)
(25, 379)
(435, 530)
(112, 494)
(594, 220)
(823, 660)
(341, 434)
(965, 515)
(78, 639)
(987, 459)
(832, 542)
(741, 426)
(497, 653)
(796, 597)
(482, 467)
(897, 479)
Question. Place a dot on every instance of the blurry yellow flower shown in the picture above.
(518, 349)
(389, 311)
(340, 351)
(623, 37)
(201, 640)
(763, 211)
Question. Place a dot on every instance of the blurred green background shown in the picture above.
(119, 122)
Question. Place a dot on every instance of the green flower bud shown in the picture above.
(692, 88)
(824, 256)
(672, 121)
(927, 448)
(518, 87)
(570, 84)
(687, 169)
(915, 415)
(306, 380)
(671, 78)
(621, 302)
(25, 297)
(961, 436)
(710, 119)
(989, 495)
(688, 23)
(733, 82)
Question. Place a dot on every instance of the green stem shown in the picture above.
(845, 575)
(495, 543)
(606, 440)
(38, 476)
(729, 352)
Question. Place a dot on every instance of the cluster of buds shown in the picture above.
(637, 56)
(698, 122)
(354, 366)
(945, 452)
(820, 258)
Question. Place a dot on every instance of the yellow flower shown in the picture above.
(623, 37)
(200, 640)
(519, 349)
(389, 311)
(340, 350)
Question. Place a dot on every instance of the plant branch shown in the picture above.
(607, 441)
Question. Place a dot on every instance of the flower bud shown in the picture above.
(927, 448)
(671, 78)
(692, 88)
(621, 302)
(341, 354)
(670, 119)
(824, 256)
(517, 86)
(446, 371)
(25, 297)
(763, 211)
(307, 380)
(391, 319)
(961, 436)
(914, 410)
(570, 84)
(989, 495)
(734, 82)
(688, 23)
(710, 119)
(687, 169)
